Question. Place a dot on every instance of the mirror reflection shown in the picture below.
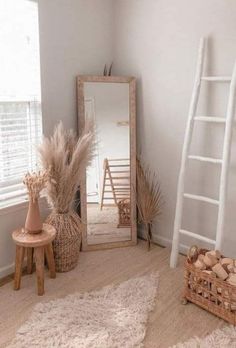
(108, 177)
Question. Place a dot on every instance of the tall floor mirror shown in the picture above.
(107, 190)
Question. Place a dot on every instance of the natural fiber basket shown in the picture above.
(124, 212)
(66, 245)
(211, 293)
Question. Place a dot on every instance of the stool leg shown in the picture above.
(50, 260)
(39, 259)
(18, 266)
(29, 260)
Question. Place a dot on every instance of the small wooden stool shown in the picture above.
(40, 242)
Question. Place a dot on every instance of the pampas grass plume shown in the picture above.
(67, 157)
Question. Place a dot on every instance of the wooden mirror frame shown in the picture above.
(83, 194)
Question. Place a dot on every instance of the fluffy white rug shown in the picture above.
(113, 317)
(220, 338)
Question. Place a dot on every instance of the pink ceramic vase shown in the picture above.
(33, 223)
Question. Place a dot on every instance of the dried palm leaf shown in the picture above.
(149, 198)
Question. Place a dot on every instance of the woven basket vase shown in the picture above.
(66, 245)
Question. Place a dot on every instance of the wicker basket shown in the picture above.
(66, 245)
(211, 293)
(124, 213)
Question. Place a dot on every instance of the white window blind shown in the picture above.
(20, 98)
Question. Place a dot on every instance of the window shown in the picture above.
(20, 98)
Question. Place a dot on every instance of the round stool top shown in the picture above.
(25, 239)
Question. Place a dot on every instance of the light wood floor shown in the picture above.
(170, 322)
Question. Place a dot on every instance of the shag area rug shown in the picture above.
(113, 317)
(108, 215)
(220, 338)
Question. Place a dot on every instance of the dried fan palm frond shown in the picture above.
(67, 156)
(149, 198)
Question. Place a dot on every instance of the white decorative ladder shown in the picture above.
(224, 161)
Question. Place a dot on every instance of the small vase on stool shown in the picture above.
(33, 223)
(34, 183)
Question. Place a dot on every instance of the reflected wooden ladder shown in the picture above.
(186, 156)
(116, 181)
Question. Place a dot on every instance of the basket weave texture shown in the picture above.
(211, 293)
(66, 245)
(124, 213)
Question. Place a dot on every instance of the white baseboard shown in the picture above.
(9, 269)
(165, 242)
(6, 270)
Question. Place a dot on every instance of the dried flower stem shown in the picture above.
(35, 182)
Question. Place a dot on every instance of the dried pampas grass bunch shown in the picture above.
(67, 156)
(149, 198)
(35, 182)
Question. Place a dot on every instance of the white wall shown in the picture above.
(157, 41)
(75, 38)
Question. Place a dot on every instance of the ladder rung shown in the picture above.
(120, 171)
(206, 159)
(197, 236)
(122, 194)
(119, 165)
(119, 177)
(201, 198)
(117, 184)
(210, 119)
(119, 159)
(217, 78)
(122, 189)
(108, 205)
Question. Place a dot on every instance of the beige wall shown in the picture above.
(75, 38)
(157, 41)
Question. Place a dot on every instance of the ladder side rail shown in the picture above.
(184, 159)
(105, 163)
(226, 160)
(112, 183)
